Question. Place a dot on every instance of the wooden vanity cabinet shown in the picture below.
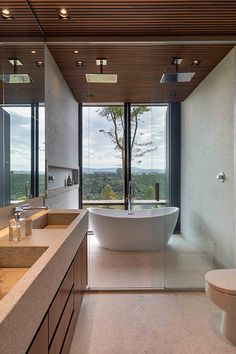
(56, 331)
(40, 343)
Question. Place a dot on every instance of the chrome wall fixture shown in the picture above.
(220, 177)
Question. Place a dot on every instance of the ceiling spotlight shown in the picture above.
(63, 14)
(39, 63)
(33, 51)
(195, 63)
(80, 63)
(6, 14)
(76, 51)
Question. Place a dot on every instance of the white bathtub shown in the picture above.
(136, 230)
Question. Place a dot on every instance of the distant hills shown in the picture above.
(135, 170)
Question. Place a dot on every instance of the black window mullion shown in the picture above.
(32, 182)
(36, 150)
(127, 148)
(80, 155)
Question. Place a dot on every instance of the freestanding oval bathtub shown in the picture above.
(133, 230)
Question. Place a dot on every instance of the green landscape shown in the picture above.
(108, 186)
(99, 185)
(18, 181)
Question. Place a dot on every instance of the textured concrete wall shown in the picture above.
(207, 206)
(61, 128)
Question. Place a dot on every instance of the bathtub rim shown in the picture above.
(172, 210)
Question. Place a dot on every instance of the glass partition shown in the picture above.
(148, 162)
(22, 126)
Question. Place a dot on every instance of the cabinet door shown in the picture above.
(78, 281)
(80, 275)
(59, 302)
(84, 252)
(40, 342)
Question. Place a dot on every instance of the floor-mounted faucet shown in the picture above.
(131, 192)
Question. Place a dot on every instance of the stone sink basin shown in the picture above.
(54, 221)
(14, 263)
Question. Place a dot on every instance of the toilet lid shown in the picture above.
(223, 280)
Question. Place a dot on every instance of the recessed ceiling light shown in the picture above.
(33, 51)
(63, 14)
(195, 63)
(76, 51)
(39, 63)
(80, 63)
(6, 14)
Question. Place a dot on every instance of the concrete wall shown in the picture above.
(61, 135)
(207, 206)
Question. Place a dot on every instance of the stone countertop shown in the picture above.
(22, 309)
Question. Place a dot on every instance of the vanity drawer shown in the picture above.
(59, 302)
(40, 342)
(61, 330)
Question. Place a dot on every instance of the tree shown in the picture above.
(115, 114)
(108, 193)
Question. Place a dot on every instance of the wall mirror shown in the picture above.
(22, 122)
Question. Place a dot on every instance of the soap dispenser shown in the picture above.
(16, 228)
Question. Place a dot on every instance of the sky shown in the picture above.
(20, 136)
(99, 151)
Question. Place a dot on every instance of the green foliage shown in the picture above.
(107, 193)
(18, 181)
(94, 184)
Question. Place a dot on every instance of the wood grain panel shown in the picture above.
(139, 70)
(61, 331)
(40, 342)
(58, 303)
(121, 18)
(136, 17)
(24, 22)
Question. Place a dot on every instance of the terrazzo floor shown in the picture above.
(180, 265)
(167, 323)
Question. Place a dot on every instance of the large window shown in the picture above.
(105, 154)
(25, 141)
(148, 153)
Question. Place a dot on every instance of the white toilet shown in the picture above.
(221, 289)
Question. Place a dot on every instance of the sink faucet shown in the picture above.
(130, 197)
(26, 207)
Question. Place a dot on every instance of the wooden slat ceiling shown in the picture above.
(136, 17)
(23, 25)
(121, 18)
(22, 93)
(139, 70)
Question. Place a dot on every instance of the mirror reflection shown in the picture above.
(22, 123)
